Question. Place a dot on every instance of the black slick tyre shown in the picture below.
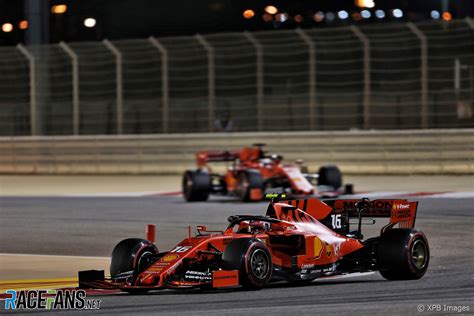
(253, 260)
(131, 257)
(330, 176)
(196, 185)
(403, 254)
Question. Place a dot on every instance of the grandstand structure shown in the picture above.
(377, 76)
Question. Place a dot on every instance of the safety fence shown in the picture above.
(440, 151)
(383, 76)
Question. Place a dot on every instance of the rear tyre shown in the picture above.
(403, 254)
(330, 176)
(248, 181)
(196, 185)
(130, 258)
(253, 260)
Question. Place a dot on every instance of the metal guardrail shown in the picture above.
(355, 152)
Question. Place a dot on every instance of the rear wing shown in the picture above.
(249, 154)
(203, 157)
(400, 211)
(336, 214)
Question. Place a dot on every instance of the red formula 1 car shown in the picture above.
(251, 173)
(296, 241)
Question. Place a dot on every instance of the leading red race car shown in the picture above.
(296, 241)
(252, 172)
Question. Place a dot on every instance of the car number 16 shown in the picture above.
(336, 221)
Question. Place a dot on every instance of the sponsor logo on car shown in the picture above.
(332, 268)
(328, 250)
(123, 275)
(401, 211)
(198, 275)
(169, 258)
(401, 206)
(307, 266)
(375, 207)
(337, 248)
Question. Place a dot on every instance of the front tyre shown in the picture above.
(130, 258)
(330, 176)
(196, 185)
(403, 254)
(253, 260)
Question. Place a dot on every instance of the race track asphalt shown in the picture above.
(86, 226)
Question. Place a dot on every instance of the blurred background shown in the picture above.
(113, 81)
(146, 67)
(118, 19)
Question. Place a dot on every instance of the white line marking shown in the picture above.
(455, 195)
(413, 195)
(372, 195)
(104, 194)
(108, 194)
(50, 256)
(377, 194)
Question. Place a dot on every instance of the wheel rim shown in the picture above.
(419, 254)
(145, 260)
(259, 264)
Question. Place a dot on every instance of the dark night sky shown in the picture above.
(142, 18)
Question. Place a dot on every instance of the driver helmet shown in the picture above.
(259, 226)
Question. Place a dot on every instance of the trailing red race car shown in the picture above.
(251, 173)
(296, 241)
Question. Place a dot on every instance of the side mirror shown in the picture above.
(201, 228)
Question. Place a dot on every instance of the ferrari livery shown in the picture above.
(295, 241)
(252, 172)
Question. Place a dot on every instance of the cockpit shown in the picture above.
(251, 224)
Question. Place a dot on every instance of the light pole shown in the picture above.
(37, 15)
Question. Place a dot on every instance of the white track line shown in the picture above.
(374, 195)
(377, 194)
(456, 195)
(413, 195)
(112, 194)
(51, 256)
(100, 194)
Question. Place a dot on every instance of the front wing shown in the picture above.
(95, 279)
